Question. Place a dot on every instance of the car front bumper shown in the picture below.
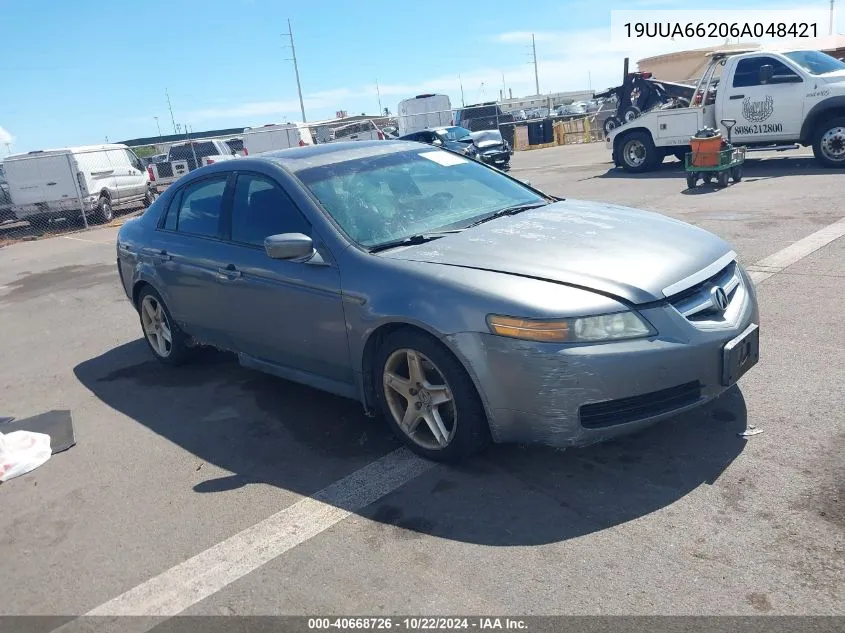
(497, 159)
(577, 395)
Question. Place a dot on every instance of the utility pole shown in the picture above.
(170, 107)
(536, 75)
(831, 17)
(296, 70)
(379, 99)
(460, 81)
(159, 129)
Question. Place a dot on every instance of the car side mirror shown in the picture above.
(288, 246)
(766, 73)
(437, 142)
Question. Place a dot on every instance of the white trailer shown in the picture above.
(424, 112)
(273, 137)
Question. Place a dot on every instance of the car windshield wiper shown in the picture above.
(412, 240)
(517, 208)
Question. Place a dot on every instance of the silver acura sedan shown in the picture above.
(458, 302)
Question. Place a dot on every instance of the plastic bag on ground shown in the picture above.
(22, 452)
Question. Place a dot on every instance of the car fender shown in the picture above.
(817, 112)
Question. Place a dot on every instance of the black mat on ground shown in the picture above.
(57, 424)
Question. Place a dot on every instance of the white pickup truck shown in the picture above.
(185, 157)
(777, 98)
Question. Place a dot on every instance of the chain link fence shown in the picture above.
(57, 191)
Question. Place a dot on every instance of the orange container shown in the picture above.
(705, 151)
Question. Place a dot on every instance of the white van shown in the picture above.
(49, 183)
(424, 112)
(272, 137)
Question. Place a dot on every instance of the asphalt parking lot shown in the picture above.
(212, 489)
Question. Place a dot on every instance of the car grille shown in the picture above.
(623, 410)
(696, 303)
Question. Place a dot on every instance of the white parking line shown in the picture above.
(80, 239)
(176, 589)
(785, 257)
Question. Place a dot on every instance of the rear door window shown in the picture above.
(200, 206)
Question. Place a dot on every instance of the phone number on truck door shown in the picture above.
(759, 128)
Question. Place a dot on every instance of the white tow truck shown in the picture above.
(779, 99)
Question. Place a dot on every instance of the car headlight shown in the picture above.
(586, 329)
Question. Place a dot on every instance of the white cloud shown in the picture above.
(6, 136)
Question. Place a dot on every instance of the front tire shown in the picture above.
(428, 398)
(829, 143)
(637, 152)
(164, 338)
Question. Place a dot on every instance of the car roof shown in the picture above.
(298, 159)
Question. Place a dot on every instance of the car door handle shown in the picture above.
(228, 273)
(732, 97)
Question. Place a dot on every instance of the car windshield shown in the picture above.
(389, 197)
(816, 62)
(454, 133)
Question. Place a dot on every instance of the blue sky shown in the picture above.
(80, 72)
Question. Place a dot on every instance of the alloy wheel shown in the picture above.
(419, 398)
(156, 327)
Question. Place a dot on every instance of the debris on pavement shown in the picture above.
(22, 452)
(750, 431)
(58, 424)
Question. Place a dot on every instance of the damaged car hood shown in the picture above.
(486, 139)
(627, 253)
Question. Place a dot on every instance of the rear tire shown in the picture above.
(164, 338)
(692, 179)
(104, 211)
(722, 178)
(829, 143)
(638, 153)
(736, 173)
(468, 432)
